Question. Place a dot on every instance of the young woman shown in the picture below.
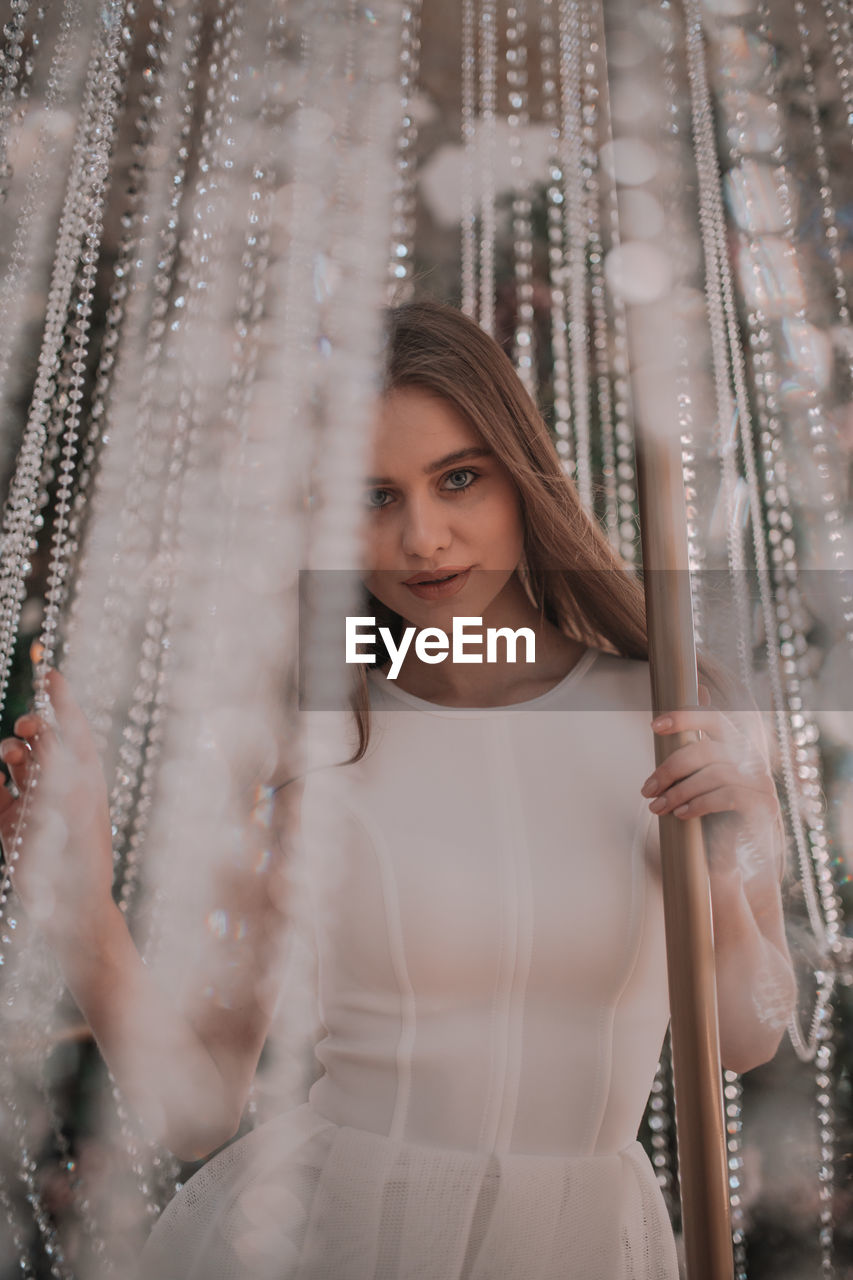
(492, 989)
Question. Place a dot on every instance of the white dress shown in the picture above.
(493, 996)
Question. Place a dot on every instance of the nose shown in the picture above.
(425, 530)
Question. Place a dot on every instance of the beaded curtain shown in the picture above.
(204, 204)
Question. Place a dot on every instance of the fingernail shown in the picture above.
(657, 805)
(36, 652)
(662, 722)
(682, 808)
(650, 786)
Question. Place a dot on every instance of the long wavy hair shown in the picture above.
(571, 572)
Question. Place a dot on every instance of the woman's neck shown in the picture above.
(501, 682)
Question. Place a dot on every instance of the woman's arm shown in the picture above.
(184, 1063)
(725, 777)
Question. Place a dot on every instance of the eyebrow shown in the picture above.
(460, 455)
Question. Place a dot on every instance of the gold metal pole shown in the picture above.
(687, 903)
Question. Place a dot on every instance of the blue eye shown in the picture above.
(375, 506)
(462, 471)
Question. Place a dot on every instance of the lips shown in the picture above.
(439, 584)
(435, 574)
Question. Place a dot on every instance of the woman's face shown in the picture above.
(439, 502)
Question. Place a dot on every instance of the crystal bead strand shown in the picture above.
(524, 350)
(550, 87)
(729, 380)
(841, 44)
(20, 513)
(733, 1105)
(96, 135)
(721, 302)
(487, 134)
(826, 935)
(18, 1231)
(355, 352)
(10, 79)
(593, 76)
(139, 757)
(627, 532)
(469, 158)
(834, 514)
(574, 38)
(361, 197)
(33, 237)
(821, 899)
(405, 192)
(84, 196)
(136, 742)
(820, 895)
(57, 1264)
(831, 232)
(122, 321)
(127, 502)
(660, 1124)
(823, 1060)
(155, 1170)
(109, 85)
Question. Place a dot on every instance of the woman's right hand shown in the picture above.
(64, 869)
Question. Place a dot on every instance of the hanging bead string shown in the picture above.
(154, 677)
(18, 1117)
(131, 244)
(675, 128)
(711, 204)
(109, 84)
(405, 191)
(123, 536)
(821, 897)
(253, 285)
(34, 234)
(733, 1106)
(834, 514)
(821, 1021)
(550, 84)
(841, 43)
(574, 39)
(720, 303)
(487, 134)
(593, 76)
(822, 901)
(95, 136)
(138, 751)
(831, 232)
(21, 513)
(18, 1232)
(725, 341)
(659, 1124)
(290, 330)
(823, 1063)
(469, 158)
(84, 198)
(10, 79)
(627, 534)
(518, 118)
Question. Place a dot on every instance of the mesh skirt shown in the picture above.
(301, 1198)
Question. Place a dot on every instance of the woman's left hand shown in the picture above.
(722, 772)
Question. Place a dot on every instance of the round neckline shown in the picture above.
(583, 663)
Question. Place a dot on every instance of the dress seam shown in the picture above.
(397, 951)
(636, 933)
